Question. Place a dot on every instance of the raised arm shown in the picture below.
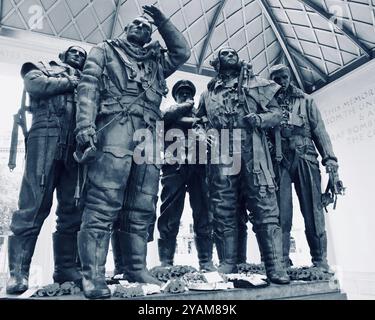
(178, 48)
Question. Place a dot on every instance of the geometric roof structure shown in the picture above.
(321, 40)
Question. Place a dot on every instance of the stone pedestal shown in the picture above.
(297, 290)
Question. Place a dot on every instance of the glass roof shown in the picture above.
(321, 40)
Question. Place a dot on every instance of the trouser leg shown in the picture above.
(116, 249)
(107, 179)
(308, 188)
(139, 212)
(284, 195)
(34, 205)
(252, 219)
(202, 217)
(69, 217)
(101, 211)
(173, 192)
(242, 232)
(223, 190)
(262, 202)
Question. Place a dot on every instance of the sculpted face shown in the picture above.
(228, 58)
(75, 57)
(282, 78)
(184, 94)
(139, 31)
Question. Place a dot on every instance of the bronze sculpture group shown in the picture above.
(94, 105)
(49, 166)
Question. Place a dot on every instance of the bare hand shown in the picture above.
(157, 16)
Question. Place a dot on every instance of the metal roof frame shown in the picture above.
(283, 43)
(302, 34)
(310, 64)
(209, 35)
(328, 16)
(113, 28)
(1, 12)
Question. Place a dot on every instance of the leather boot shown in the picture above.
(270, 243)
(167, 248)
(260, 250)
(286, 249)
(259, 247)
(318, 250)
(65, 251)
(134, 249)
(93, 248)
(226, 246)
(242, 246)
(116, 250)
(204, 244)
(20, 253)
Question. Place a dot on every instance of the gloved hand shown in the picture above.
(331, 166)
(184, 106)
(202, 135)
(85, 135)
(157, 16)
(253, 120)
(74, 80)
(188, 103)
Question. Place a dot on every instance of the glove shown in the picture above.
(331, 166)
(157, 16)
(253, 120)
(188, 103)
(85, 135)
(73, 81)
(184, 106)
(202, 135)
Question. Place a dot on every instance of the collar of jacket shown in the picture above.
(54, 67)
(122, 43)
(219, 84)
(295, 92)
(136, 52)
(64, 66)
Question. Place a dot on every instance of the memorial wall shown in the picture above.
(348, 109)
